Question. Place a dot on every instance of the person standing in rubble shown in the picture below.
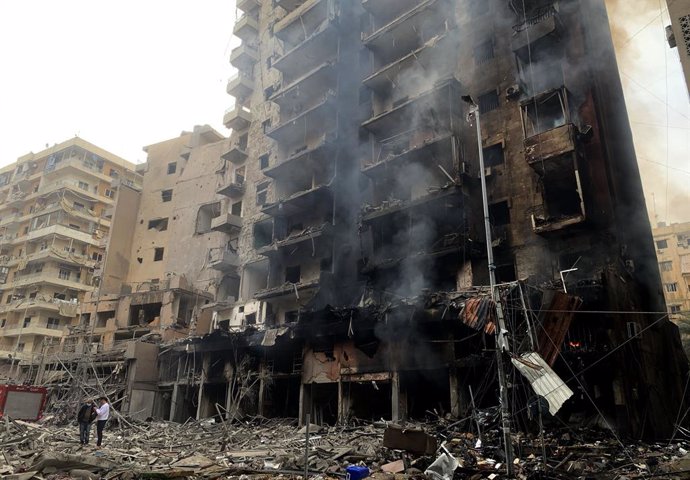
(102, 414)
(85, 416)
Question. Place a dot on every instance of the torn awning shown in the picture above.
(479, 313)
(543, 379)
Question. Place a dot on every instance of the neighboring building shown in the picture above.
(55, 213)
(166, 255)
(354, 172)
(673, 251)
(679, 33)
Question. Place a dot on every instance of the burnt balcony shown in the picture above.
(409, 31)
(247, 6)
(246, 28)
(542, 223)
(549, 144)
(244, 57)
(311, 238)
(303, 21)
(438, 103)
(237, 118)
(428, 57)
(542, 23)
(302, 90)
(227, 223)
(314, 119)
(305, 158)
(303, 286)
(223, 259)
(236, 153)
(240, 86)
(321, 46)
(303, 201)
(390, 207)
(410, 150)
(387, 10)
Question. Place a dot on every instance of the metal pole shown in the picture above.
(501, 344)
(306, 448)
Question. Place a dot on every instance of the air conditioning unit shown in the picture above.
(513, 91)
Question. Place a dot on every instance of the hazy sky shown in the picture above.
(119, 74)
(658, 105)
(127, 74)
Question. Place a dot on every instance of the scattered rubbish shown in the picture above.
(443, 467)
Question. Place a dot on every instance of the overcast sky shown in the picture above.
(131, 73)
(119, 74)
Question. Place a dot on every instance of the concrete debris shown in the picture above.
(261, 448)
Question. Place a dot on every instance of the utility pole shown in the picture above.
(501, 343)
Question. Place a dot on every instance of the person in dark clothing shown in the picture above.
(85, 416)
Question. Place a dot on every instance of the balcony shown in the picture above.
(318, 118)
(8, 352)
(542, 224)
(439, 103)
(299, 202)
(31, 304)
(9, 219)
(63, 231)
(244, 57)
(303, 21)
(246, 28)
(301, 91)
(410, 150)
(76, 165)
(51, 253)
(232, 189)
(387, 10)
(247, 6)
(223, 259)
(240, 86)
(409, 31)
(543, 22)
(313, 237)
(31, 330)
(46, 277)
(549, 144)
(305, 158)
(430, 57)
(389, 207)
(236, 154)
(288, 5)
(321, 46)
(237, 118)
(306, 286)
(54, 186)
(227, 223)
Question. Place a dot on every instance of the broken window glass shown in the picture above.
(544, 113)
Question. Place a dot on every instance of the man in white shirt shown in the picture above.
(102, 415)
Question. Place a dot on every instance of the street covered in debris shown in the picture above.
(262, 448)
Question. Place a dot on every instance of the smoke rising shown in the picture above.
(658, 107)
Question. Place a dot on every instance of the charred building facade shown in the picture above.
(329, 258)
(353, 197)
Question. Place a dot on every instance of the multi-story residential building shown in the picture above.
(359, 201)
(55, 212)
(673, 250)
(168, 259)
(679, 33)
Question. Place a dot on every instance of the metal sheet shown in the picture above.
(543, 379)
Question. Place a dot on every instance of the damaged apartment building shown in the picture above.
(353, 169)
(329, 257)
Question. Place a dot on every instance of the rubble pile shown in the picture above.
(265, 448)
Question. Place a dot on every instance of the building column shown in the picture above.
(395, 397)
(454, 392)
(201, 401)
